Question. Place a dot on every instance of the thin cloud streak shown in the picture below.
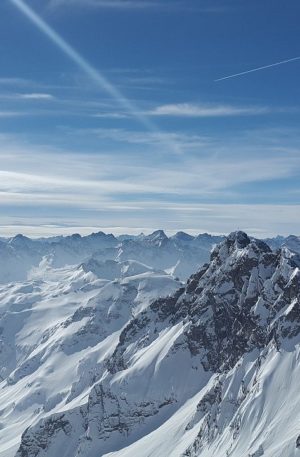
(110, 115)
(181, 141)
(36, 96)
(8, 114)
(276, 64)
(206, 110)
(14, 81)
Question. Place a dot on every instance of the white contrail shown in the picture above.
(83, 64)
(258, 69)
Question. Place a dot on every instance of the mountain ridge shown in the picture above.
(198, 363)
(180, 254)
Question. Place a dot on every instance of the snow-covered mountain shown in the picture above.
(180, 255)
(56, 331)
(116, 358)
(291, 242)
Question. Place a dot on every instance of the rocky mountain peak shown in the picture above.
(238, 245)
(182, 236)
(19, 240)
(157, 238)
(157, 234)
(239, 239)
(226, 301)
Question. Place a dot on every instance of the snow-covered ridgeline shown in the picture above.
(179, 255)
(208, 369)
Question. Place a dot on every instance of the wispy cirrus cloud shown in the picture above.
(204, 191)
(207, 110)
(36, 96)
(35, 169)
(192, 110)
(13, 81)
(108, 115)
(26, 96)
(180, 141)
(8, 114)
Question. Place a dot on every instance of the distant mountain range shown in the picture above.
(179, 255)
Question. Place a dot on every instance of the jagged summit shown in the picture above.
(101, 234)
(219, 299)
(75, 237)
(158, 236)
(17, 239)
(238, 244)
(239, 239)
(182, 236)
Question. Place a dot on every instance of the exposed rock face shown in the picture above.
(231, 305)
(214, 344)
(47, 431)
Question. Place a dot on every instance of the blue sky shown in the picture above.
(111, 117)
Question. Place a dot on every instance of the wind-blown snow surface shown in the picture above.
(96, 366)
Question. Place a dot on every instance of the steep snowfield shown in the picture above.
(259, 414)
(56, 330)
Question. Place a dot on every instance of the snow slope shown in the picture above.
(101, 367)
(56, 330)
